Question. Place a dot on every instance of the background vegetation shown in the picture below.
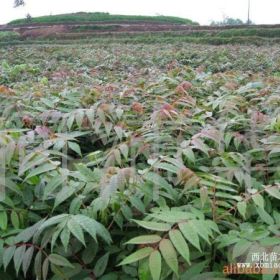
(7, 36)
(104, 17)
(229, 21)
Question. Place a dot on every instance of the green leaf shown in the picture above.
(59, 260)
(144, 239)
(70, 121)
(161, 182)
(103, 232)
(173, 216)
(194, 270)
(9, 152)
(53, 184)
(210, 275)
(180, 244)
(45, 269)
(41, 169)
(3, 220)
(76, 204)
(119, 131)
(15, 219)
(144, 270)
(155, 265)
(90, 114)
(258, 200)
(169, 254)
(89, 253)
(108, 127)
(190, 234)
(52, 221)
(101, 265)
(55, 234)
(167, 167)
(65, 193)
(109, 276)
(93, 227)
(75, 147)
(138, 255)
(270, 241)
(153, 225)
(79, 117)
(268, 276)
(265, 216)
(29, 232)
(200, 145)
(212, 225)
(273, 191)
(8, 255)
(38, 265)
(26, 164)
(240, 248)
(242, 207)
(203, 195)
(124, 150)
(27, 259)
(137, 203)
(216, 181)
(201, 227)
(87, 174)
(76, 230)
(18, 257)
(65, 237)
(188, 152)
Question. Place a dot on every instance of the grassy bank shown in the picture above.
(149, 38)
(7, 36)
(102, 17)
(246, 32)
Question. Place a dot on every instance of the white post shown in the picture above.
(249, 7)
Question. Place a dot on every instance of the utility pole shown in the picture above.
(249, 7)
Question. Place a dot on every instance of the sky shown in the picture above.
(202, 11)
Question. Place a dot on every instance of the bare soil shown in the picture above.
(87, 29)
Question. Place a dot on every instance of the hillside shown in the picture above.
(93, 27)
(102, 17)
